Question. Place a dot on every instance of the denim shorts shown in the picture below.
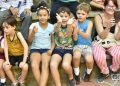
(38, 51)
(62, 52)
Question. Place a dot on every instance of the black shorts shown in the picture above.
(15, 60)
(62, 52)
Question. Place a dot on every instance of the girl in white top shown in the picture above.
(42, 44)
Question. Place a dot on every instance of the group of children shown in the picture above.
(49, 45)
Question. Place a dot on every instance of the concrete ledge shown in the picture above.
(30, 81)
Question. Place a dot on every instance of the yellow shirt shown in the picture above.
(15, 48)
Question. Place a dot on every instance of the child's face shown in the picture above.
(43, 16)
(65, 17)
(81, 15)
(8, 29)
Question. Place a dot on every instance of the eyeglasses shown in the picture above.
(110, 7)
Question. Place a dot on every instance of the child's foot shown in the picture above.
(102, 77)
(2, 84)
(86, 77)
(72, 82)
(14, 84)
(21, 84)
(77, 78)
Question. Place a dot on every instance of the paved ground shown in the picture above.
(107, 82)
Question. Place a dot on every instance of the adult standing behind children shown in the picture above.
(2, 58)
(71, 4)
(97, 4)
(107, 40)
(17, 8)
(41, 38)
(16, 51)
(84, 44)
(63, 46)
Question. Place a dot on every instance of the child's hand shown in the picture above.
(49, 52)
(70, 21)
(59, 19)
(22, 64)
(35, 29)
(7, 63)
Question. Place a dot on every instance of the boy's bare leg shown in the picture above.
(55, 61)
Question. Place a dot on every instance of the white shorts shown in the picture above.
(84, 49)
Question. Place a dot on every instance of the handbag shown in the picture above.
(108, 42)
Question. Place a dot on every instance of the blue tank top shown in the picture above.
(83, 27)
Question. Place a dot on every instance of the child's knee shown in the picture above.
(53, 65)
(90, 60)
(25, 67)
(6, 67)
(66, 66)
(76, 55)
(33, 65)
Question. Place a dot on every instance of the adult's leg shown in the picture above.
(26, 22)
(73, 6)
(100, 58)
(45, 69)
(55, 60)
(115, 53)
(35, 59)
(53, 12)
(4, 15)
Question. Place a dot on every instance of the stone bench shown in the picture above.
(30, 81)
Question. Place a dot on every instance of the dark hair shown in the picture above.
(11, 21)
(63, 9)
(114, 1)
(1, 29)
(43, 6)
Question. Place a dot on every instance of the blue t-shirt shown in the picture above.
(42, 39)
(83, 27)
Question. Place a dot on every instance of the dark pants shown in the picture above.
(71, 5)
(26, 22)
(4, 15)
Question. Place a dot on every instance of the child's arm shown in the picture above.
(86, 34)
(52, 44)
(75, 31)
(32, 34)
(6, 50)
(70, 27)
(58, 24)
(100, 6)
(25, 46)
